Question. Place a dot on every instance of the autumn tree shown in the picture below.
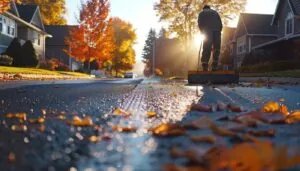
(182, 15)
(5, 5)
(125, 38)
(148, 51)
(53, 12)
(93, 39)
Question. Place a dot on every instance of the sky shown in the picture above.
(141, 14)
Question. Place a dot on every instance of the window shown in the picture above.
(7, 26)
(39, 39)
(289, 24)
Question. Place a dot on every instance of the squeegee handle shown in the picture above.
(199, 55)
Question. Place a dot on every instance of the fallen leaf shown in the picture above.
(264, 133)
(234, 108)
(43, 111)
(201, 108)
(126, 129)
(284, 110)
(151, 114)
(120, 112)
(77, 121)
(11, 157)
(173, 167)
(221, 131)
(293, 117)
(95, 139)
(176, 152)
(167, 129)
(37, 121)
(22, 116)
(205, 139)
(19, 128)
(271, 107)
(221, 106)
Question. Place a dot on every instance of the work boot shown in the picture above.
(204, 67)
(214, 67)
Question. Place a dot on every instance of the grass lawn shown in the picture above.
(288, 73)
(17, 70)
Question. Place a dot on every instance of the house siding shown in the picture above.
(257, 40)
(297, 25)
(285, 9)
(5, 40)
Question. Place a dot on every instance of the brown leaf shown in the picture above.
(265, 133)
(125, 129)
(234, 108)
(205, 139)
(11, 157)
(173, 167)
(19, 128)
(222, 131)
(201, 108)
(284, 110)
(221, 106)
(167, 129)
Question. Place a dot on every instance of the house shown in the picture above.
(55, 45)
(23, 22)
(277, 36)
(252, 30)
(286, 20)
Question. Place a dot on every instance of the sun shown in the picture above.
(198, 39)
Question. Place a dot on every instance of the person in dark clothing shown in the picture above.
(210, 24)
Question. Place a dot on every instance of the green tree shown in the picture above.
(14, 51)
(53, 11)
(148, 51)
(125, 38)
(29, 55)
(182, 15)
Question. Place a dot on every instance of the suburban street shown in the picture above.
(57, 144)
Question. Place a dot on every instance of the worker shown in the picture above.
(210, 24)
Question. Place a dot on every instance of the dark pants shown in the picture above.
(212, 41)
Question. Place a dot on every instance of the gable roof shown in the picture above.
(59, 33)
(27, 12)
(13, 8)
(258, 23)
(294, 5)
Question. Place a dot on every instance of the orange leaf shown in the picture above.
(167, 129)
(151, 114)
(85, 122)
(271, 107)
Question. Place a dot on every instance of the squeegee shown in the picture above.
(209, 77)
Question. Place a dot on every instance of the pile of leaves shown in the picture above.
(248, 151)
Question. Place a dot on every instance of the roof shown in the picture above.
(294, 4)
(258, 23)
(59, 32)
(27, 11)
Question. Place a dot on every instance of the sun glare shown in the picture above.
(198, 38)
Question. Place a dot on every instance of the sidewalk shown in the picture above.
(271, 79)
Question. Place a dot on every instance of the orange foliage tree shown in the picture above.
(93, 38)
(5, 5)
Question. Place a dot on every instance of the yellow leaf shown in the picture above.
(271, 107)
(151, 114)
(85, 122)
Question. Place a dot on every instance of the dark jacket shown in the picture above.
(209, 20)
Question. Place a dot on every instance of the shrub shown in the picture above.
(14, 51)
(270, 66)
(54, 65)
(29, 55)
(6, 60)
